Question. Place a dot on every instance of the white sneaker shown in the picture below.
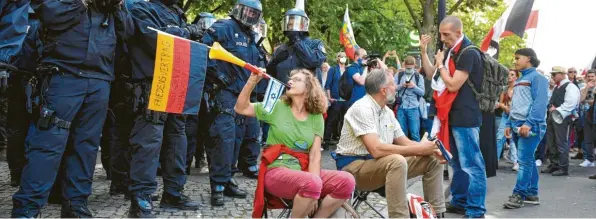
(538, 163)
(587, 163)
(515, 167)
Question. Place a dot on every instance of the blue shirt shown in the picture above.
(332, 83)
(530, 99)
(13, 21)
(465, 111)
(26, 60)
(358, 90)
(410, 97)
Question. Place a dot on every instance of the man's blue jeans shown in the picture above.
(501, 139)
(468, 186)
(409, 120)
(527, 175)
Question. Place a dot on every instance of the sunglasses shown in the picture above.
(572, 72)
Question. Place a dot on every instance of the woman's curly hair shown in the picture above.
(316, 101)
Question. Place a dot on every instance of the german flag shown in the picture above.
(179, 75)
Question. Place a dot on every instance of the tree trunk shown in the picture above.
(429, 27)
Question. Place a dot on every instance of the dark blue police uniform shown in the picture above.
(152, 129)
(81, 51)
(224, 145)
(13, 20)
(305, 53)
(20, 111)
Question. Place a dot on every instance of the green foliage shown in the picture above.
(379, 25)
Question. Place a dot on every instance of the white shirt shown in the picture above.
(572, 96)
(367, 117)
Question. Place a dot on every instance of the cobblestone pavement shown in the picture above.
(103, 205)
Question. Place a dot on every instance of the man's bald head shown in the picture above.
(451, 30)
(454, 22)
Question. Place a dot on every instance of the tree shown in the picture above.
(477, 24)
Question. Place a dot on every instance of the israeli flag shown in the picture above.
(274, 90)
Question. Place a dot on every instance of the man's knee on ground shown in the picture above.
(310, 187)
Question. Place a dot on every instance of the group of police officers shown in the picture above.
(79, 75)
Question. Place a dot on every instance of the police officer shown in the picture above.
(204, 21)
(151, 128)
(80, 62)
(20, 94)
(248, 134)
(236, 36)
(301, 51)
(13, 20)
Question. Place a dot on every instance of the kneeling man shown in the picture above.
(374, 149)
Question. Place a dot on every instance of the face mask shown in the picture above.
(342, 60)
(409, 70)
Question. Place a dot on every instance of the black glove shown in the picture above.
(194, 31)
(112, 5)
(3, 80)
(100, 5)
(293, 36)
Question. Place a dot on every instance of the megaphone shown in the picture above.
(217, 52)
(558, 117)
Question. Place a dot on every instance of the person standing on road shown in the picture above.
(564, 100)
(469, 177)
(527, 125)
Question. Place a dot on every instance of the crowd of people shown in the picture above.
(77, 75)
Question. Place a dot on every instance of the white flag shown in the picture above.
(274, 90)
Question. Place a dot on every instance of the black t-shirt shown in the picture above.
(465, 111)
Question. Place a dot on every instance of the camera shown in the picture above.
(46, 117)
(372, 60)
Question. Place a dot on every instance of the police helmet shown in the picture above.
(247, 12)
(295, 20)
(261, 28)
(205, 20)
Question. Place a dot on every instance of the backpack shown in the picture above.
(495, 78)
(345, 86)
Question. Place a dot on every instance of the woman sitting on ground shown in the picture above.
(291, 162)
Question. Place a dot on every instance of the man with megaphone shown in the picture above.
(227, 80)
(563, 101)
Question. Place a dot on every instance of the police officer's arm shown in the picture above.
(13, 28)
(311, 53)
(124, 24)
(243, 105)
(60, 15)
(144, 18)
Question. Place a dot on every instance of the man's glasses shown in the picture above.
(572, 72)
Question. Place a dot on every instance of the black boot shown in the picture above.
(140, 207)
(15, 178)
(217, 198)
(251, 172)
(118, 189)
(550, 169)
(232, 189)
(71, 210)
(182, 202)
(188, 170)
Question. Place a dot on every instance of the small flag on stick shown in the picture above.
(274, 90)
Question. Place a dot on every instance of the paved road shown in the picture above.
(573, 196)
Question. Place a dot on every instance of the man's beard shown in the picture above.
(390, 98)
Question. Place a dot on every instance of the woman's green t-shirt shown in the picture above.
(287, 130)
